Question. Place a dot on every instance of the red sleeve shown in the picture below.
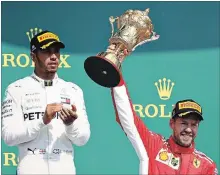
(127, 118)
(212, 170)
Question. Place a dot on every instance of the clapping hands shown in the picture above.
(68, 116)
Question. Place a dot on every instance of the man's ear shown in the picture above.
(33, 56)
(172, 123)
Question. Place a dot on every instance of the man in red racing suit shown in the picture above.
(157, 156)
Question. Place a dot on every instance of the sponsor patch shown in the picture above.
(174, 162)
(42, 151)
(163, 156)
(7, 102)
(65, 100)
(33, 100)
(196, 163)
(7, 108)
(33, 115)
(59, 151)
(190, 105)
(32, 94)
(37, 115)
(47, 36)
(8, 115)
(6, 111)
(36, 151)
(33, 107)
(168, 159)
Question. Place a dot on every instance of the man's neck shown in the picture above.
(175, 147)
(176, 141)
(45, 76)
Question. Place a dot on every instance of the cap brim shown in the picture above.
(190, 112)
(59, 44)
(53, 43)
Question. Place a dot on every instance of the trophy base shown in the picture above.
(102, 71)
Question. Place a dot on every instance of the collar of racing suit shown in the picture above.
(45, 82)
(179, 149)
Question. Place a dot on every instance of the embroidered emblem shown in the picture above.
(163, 155)
(196, 162)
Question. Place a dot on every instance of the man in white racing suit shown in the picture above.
(44, 115)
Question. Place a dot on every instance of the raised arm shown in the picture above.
(143, 140)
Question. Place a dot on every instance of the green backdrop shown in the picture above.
(187, 53)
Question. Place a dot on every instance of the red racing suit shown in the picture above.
(157, 156)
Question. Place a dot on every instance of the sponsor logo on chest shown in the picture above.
(196, 162)
(65, 100)
(65, 97)
(36, 115)
(168, 159)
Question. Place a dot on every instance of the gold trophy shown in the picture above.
(134, 28)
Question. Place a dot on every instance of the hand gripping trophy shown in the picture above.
(134, 28)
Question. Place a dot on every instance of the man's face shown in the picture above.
(47, 61)
(185, 129)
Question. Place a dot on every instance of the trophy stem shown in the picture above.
(118, 51)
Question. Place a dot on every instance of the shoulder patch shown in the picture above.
(203, 156)
(75, 86)
(19, 83)
(16, 84)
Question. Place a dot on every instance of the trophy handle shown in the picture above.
(112, 20)
(153, 37)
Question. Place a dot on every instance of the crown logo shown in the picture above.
(164, 88)
(33, 32)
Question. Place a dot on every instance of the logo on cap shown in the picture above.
(46, 36)
(191, 105)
